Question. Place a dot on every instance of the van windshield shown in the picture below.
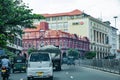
(39, 57)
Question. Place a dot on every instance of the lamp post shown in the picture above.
(115, 17)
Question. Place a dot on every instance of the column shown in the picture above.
(102, 38)
(97, 37)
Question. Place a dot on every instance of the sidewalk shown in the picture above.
(105, 68)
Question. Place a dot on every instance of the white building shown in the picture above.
(118, 41)
(118, 46)
(113, 40)
(16, 45)
(77, 22)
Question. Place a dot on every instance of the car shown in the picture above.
(71, 60)
(19, 64)
(56, 55)
(40, 66)
(64, 60)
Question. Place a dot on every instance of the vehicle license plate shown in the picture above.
(3, 70)
(40, 73)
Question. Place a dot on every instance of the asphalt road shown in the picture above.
(74, 73)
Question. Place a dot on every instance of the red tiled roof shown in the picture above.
(74, 12)
(50, 33)
(56, 33)
(59, 33)
(41, 26)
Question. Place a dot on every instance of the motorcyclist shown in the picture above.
(5, 62)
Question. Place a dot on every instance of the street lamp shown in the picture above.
(115, 17)
(115, 20)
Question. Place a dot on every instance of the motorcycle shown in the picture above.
(5, 73)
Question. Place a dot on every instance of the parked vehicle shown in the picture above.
(71, 60)
(64, 60)
(19, 64)
(5, 73)
(55, 54)
(40, 66)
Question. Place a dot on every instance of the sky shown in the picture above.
(104, 9)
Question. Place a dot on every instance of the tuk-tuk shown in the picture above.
(19, 64)
(70, 60)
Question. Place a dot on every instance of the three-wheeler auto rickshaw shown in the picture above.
(19, 64)
(71, 60)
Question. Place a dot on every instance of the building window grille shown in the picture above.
(71, 17)
(54, 18)
(47, 19)
(75, 23)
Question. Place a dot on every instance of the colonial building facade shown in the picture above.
(113, 40)
(16, 45)
(82, 24)
(42, 35)
(118, 46)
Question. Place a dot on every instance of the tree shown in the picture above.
(90, 54)
(73, 52)
(31, 50)
(14, 16)
(51, 49)
(9, 53)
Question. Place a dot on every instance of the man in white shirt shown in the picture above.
(5, 62)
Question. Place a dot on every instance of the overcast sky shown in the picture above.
(105, 9)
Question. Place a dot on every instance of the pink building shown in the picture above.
(42, 35)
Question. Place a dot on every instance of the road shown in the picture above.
(74, 73)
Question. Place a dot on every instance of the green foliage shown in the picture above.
(30, 50)
(3, 41)
(90, 54)
(9, 53)
(73, 52)
(52, 50)
(14, 16)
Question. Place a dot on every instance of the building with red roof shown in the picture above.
(82, 24)
(72, 13)
(42, 35)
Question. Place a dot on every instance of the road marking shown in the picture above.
(71, 77)
(21, 79)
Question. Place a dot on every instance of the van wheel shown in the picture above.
(25, 71)
(13, 71)
(29, 78)
(4, 78)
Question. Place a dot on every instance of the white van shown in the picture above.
(39, 66)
